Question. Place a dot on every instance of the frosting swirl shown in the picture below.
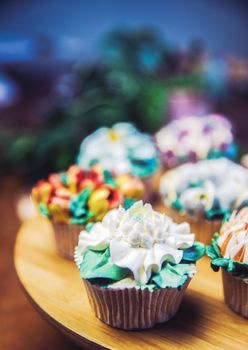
(195, 138)
(122, 149)
(209, 187)
(139, 239)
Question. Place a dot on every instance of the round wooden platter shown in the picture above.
(54, 287)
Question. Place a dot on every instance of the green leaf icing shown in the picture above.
(128, 202)
(108, 178)
(236, 268)
(97, 264)
(64, 178)
(44, 210)
(194, 253)
(79, 209)
(173, 276)
(145, 167)
(177, 204)
(89, 226)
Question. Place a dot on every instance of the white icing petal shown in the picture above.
(112, 219)
(164, 252)
(184, 241)
(118, 250)
(96, 239)
(78, 257)
(124, 255)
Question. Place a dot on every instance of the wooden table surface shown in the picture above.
(21, 327)
(54, 286)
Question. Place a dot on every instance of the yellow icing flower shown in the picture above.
(130, 186)
(103, 199)
(58, 213)
(98, 203)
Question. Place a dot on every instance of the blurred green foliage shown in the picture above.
(131, 81)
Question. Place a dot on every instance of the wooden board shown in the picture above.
(54, 287)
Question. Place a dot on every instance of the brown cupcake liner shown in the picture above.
(66, 237)
(235, 293)
(132, 308)
(202, 228)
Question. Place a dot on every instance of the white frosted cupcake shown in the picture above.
(203, 193)
(195, 138)
(229, 250)
(135, 258)
(121, 149)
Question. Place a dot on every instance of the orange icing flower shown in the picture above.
(233, 239)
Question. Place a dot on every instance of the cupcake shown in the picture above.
(121, 149)
(203, 193)
(229, 250)
(136, 265)
(195, 138)
(76, 199)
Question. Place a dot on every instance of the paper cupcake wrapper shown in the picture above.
(132, 308)
(202, 228)
(235, 293)
(66, 237)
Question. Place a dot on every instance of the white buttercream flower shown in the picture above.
(139, 239)
(114, 148)
(198, 185)
(200, 135)
(198, 199)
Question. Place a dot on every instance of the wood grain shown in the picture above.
(53, 285)
(21, 327)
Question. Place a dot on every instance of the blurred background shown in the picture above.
(67, 68)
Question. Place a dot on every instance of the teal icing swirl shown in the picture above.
(79, 209)
(109, 179)
(144, 168)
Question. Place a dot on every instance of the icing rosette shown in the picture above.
(81, 197)
(137, 247)
(122, 149)
(209, 188)
(229, 251)
(196, 138)
(230, 246)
